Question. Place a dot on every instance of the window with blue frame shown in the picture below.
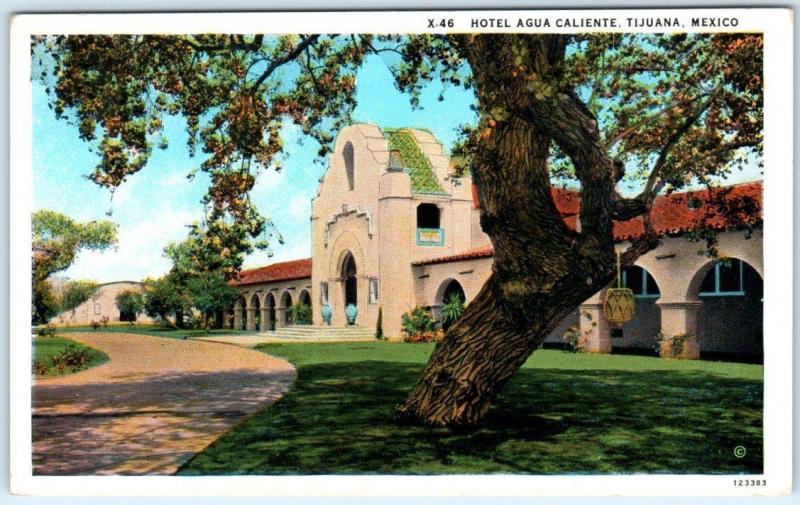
(638, 280)
(429, 232)
(726, 278)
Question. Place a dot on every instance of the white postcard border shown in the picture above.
(778, 233)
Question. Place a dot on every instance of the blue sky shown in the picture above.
(155, 205)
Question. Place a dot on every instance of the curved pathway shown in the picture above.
(156, 403)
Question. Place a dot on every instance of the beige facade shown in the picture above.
(101, 306)
(382, 238)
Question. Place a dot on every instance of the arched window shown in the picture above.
(428, 215)
(270, 303)
(255, 303)
(349, 164)
(731, 277)
(640, 282)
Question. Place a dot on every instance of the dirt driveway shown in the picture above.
(157, 402)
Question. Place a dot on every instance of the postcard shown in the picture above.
(412, 253)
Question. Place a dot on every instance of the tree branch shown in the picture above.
(290, 56)
(649, 119)
(628, 208)
(235, 44)
(722, 148)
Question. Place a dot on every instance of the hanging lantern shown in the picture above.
(619, 305)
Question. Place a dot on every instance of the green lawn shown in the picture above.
(152, 330)
(562, 413)
(44, 348)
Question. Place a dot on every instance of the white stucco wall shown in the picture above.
(375, 221)
(102, 304)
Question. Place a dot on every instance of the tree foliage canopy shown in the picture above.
(76, 292)
(210, 292)
(197, 280)
(666, 109)
(130, 303)
(58, 238)
(164, 297)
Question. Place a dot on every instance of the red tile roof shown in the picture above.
(681, 212)
(671, 215)
(285, 271)
(480, 252)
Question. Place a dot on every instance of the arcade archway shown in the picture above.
(269, 302)
(731, 317)
(286, 305)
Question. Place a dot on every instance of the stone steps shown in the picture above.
(320, 333)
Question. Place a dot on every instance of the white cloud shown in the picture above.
(267, 181)
(299, 207)
(140, 249)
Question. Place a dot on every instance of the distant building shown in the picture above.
(392, 227)
(101, 305)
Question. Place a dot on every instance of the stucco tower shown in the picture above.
(386, 201)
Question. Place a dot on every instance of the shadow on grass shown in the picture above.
(337, 419)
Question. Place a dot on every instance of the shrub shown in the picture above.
(48, 330)
(379, 325)
(425, 336)
(191, 321)
(416, 322)
(452, 310)
(657, 345)
(95, 324)
(72, 357)
(39, 368)
(164, 323)
(575, 340)
(301, 313)
(671, 347)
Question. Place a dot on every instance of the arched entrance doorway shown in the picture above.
(270, 304)
(349, 280)
(452, 294)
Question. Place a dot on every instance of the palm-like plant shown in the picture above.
(452, 309)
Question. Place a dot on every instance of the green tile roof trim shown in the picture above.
(417, 165)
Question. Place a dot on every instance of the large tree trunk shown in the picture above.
(542, 269)
(481, 352)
